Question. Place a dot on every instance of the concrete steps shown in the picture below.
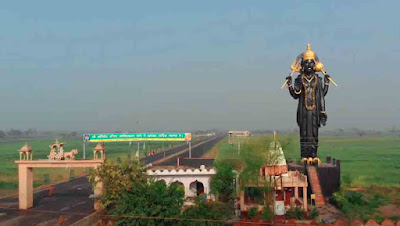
(316, 186)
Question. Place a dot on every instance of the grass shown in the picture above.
(365, 161)
(9, 154)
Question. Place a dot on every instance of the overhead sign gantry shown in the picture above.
(120, 137)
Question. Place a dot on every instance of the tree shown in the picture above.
(361, 132)
(152, 199)
(254, 154)
(73, 134)
(222, 182)
(30, 132)
(14, 133)
(128, 191)
(394, 131)
(2, 134)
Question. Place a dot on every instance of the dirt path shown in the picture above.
(213, 152)
(389, 211)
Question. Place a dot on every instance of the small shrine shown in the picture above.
(288, 186)
(99, 148)
(25, 153)
(57, 152)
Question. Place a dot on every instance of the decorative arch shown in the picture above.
(197, 187)
(179, 184)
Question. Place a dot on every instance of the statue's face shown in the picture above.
(308, 66)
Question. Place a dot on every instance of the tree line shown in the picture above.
(13, 134)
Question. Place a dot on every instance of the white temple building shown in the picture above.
(195, 181)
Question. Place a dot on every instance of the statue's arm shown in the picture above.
(292, 93)
(323, 97)
(295, 89)
(324, 116)
(326, 84)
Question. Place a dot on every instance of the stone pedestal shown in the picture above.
(328, 173)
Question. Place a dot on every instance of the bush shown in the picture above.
(267, 213)
(71, 174)
(356, 205)
(314, 213)
(153, 199)
(252, 212)
(394, 218)
(295, 213)
(379, 219)
(46, 179)
(210, 211)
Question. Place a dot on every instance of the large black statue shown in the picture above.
(310, 90)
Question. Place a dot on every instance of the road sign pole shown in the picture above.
(138, 147)
(84, 149)
(238, 146)
(190, 149)
(163, 148)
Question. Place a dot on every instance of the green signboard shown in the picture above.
(114, 137)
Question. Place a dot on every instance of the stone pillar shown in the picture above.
(242, 201)
(206, 189)
(296, 192)
(338, 163)
(25, 187)
(328, 159)
(187, 188)
(98, 190)
(305, 198)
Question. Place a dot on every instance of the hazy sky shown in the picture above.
(185, 65)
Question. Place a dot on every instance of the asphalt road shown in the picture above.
(72, 196)
(71, 199)
(197, 151)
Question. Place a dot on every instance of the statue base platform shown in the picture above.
(328, 174)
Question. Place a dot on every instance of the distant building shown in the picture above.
(204, 135)
(235, 134)
(239, 133)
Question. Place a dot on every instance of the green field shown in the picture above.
(365, 161)
(9, 153)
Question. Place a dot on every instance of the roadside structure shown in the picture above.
(99, 148)
(239, 133)
(26, 167)
(233, 135)
(25, 153)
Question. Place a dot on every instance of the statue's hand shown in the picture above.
(327, 77)
(297, 83)
(289, 80)
(324, 118)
